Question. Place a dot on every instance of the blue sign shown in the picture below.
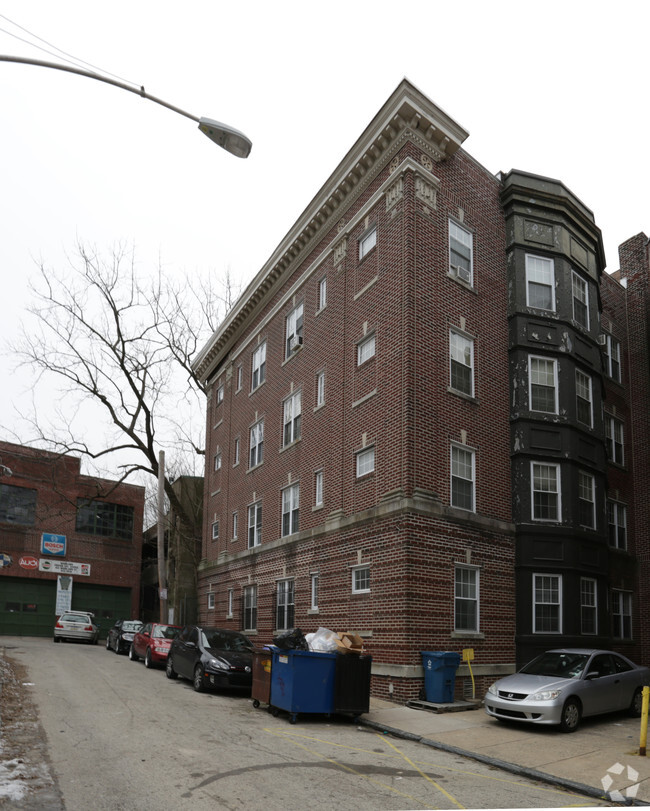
(5, 560)
(53, 544)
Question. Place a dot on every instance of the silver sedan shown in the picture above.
(562, 686)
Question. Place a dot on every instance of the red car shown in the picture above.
(152, 643)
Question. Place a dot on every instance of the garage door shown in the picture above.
(27, 606)
(106, 603)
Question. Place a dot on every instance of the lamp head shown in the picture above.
(228, 138)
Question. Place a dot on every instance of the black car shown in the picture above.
(211, 657)
(121, 635)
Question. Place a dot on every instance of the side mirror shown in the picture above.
(593, 675)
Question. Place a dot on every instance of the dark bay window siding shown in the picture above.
(105, 519)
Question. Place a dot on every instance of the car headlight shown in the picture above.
(128, 637)
(218, 664)
(545, 695)
(492, 689)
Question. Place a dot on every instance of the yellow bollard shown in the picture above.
(644, 721)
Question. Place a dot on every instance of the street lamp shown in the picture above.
(226, 137)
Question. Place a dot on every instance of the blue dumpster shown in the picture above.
(440, 675)
(302, 681)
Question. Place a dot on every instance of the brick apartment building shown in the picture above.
(63, 532)
(406, 434)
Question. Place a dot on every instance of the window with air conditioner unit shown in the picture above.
(460, 253)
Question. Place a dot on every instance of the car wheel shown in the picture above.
(108, 643)
(169, 669)
(637, 703)
(133, 655)
(571, 713)
(148, 662)
(197, 681)
(57, 639)
(117, 647)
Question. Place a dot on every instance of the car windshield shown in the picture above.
(225, 640)
(131, 625)
(165, 632)
(75, 618)
(559, 664)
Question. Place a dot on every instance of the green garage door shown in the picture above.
(27, 606)
(106, 603)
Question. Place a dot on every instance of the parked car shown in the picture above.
(76, 625)
(152, 643)
(211, 657)
(562, 686)
(120, 636)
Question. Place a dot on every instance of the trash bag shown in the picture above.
(292, 639)
(322, 641)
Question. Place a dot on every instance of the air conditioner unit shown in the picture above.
(295, 342)
(602, 339)
(461, 273)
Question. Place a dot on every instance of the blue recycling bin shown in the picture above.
(302, 681)
(440, 675)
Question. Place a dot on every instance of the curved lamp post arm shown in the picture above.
(226, 137)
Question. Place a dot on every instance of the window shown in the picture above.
(365, 462)
(314, 591)
(105, 519)
(547, 604)
(236, 460)
(294, 330)
(250, 608)
(466, 598)
(240, 376)
(614, 440)
(361, 579)
(622, 615)
(580, 300)
(17, 504)
(322, 293)
(318, 489)
(617, 523)
(367, 242)
(586, 500)
(259, 366)
(255, 524)
(215, 530)
(540, 283)
(235, 525)
(588, 606)
(217, 461)
(365, 350)
(231, 600)
(256, 455)
(290, 509)
(462, 478)
(320, 389)
(220, 391)
(292, 418)
(546, 492)
(461, 353)
(285, 607)
(584, 403)
(460, 252)
(211, 596)
(542, 376)
(613, 358)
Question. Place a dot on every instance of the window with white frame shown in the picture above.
(545, 484)
(211, 601)
(320, 389)
(256, 443)
(258, 374)
(540, 283)
(588, 606)
(586, 500)
(313, 602)
(613, 358)
(460, 252)
(584, 401)
(617, 524)
(614, 440)
(322, 293)
(621, 614)
(290, 509)
(580, 300)
(367, 242)
(294, 330)
(255, 524)
(215, 530)
(240, 377)
(250, 608)
(231, 602)
(217, 461)
(365, 461)
(292, 418)
(547, 604)
(462, 477)
(361, 579)
(366, 349)
(542, 378)
(285, 606)
(466, 598)
(220, 393)
(318, 488)
(235, 525)
(236, 452)
(461, 359)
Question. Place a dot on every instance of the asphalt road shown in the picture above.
(124, 737)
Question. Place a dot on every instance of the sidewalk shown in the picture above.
(601, 759)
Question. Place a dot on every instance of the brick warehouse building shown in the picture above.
(406, 435)
(60, 530)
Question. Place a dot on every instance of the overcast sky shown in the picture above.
(558, 89)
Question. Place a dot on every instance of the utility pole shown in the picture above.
(162, 579)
